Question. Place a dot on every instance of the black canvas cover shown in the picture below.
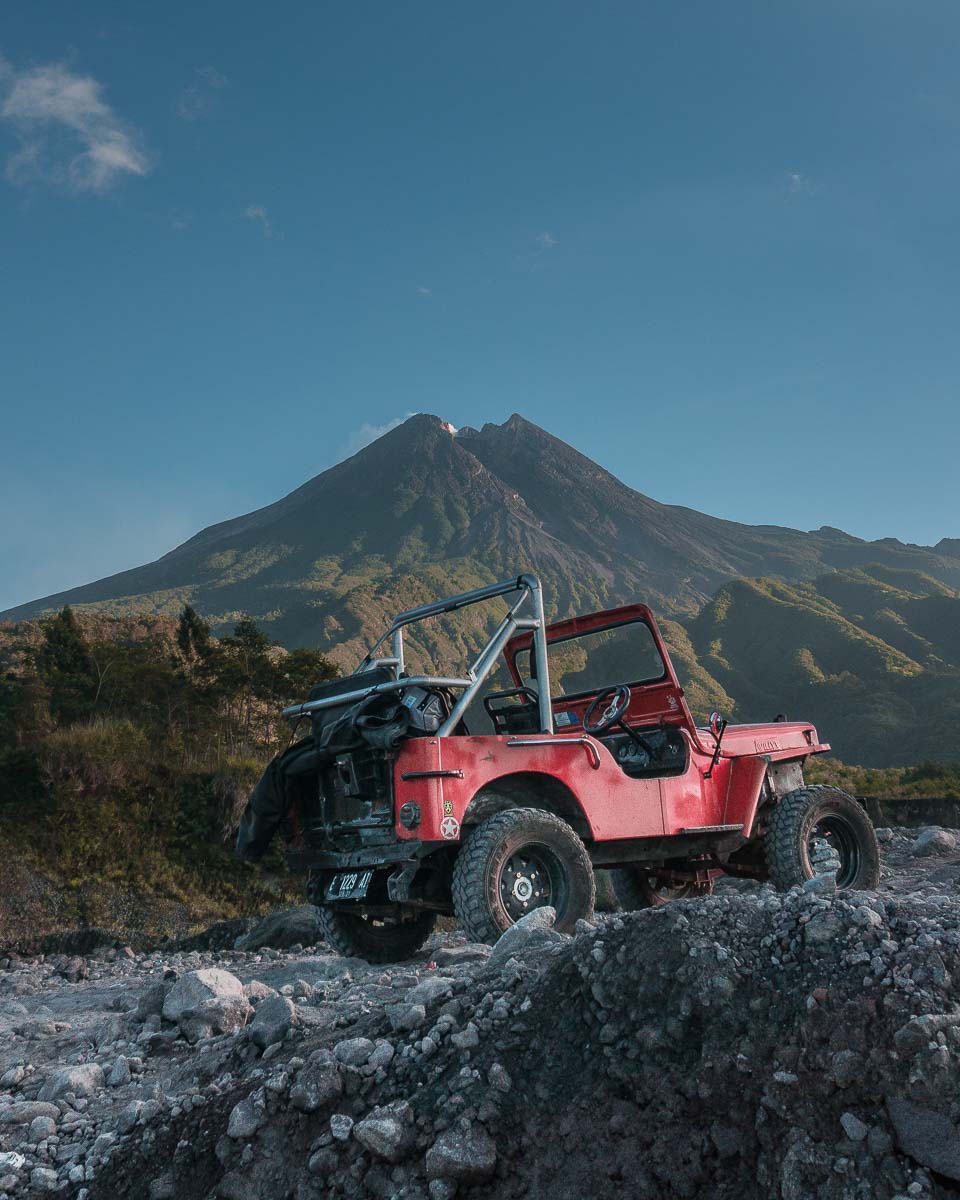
(376, 722)
(270, 800)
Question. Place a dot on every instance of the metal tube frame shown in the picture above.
(529, 588)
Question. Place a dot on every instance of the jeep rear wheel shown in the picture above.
(639, 887)
(517, 861)
(378, 940)
(811, 815)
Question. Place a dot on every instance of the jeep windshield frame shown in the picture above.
(530, 597)
(529, 674)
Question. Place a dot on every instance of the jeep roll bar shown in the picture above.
(530, 590)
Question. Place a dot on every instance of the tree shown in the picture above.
(193, 635)
(299, 671)
(64, 664)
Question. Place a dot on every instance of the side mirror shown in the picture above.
(717, 726)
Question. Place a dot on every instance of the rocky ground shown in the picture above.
(749, 1044)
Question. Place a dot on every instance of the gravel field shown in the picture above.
(749, 1044)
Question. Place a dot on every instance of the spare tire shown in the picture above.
(517, 861)
(825, 813)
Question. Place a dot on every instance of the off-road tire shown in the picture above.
(633, 895)
(791, 824)
(478, 870)
(353, 936)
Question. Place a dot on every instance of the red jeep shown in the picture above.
(590, 759)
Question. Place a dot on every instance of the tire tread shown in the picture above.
(782, 839)
(468, 871)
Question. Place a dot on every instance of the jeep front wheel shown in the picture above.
(821, 814)
(514, 862)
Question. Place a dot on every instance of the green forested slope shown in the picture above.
(872, 655)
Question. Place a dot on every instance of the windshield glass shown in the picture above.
(600, 659)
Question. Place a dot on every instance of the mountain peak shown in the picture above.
(428, 508)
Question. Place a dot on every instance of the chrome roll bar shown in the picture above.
(530, 591)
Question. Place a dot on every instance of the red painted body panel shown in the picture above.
(743, 792)
(614, 805)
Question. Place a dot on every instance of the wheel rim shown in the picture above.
(839, 834)
(530, 878)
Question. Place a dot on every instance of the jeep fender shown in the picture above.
(754, 780)
(528, 789)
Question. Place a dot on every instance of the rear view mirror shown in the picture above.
(716, 725)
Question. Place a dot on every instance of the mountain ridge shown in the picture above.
(760, 618)
(489, 495)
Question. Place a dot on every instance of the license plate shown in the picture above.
(351, 885)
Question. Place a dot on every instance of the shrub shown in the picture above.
(96, 757)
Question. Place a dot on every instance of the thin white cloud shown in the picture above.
(425, 292)
(799, 184)
(368, 433)
(200, 96)
(68, 133)
(546, 240)
(256, 212)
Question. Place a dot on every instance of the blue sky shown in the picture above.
(715, 246)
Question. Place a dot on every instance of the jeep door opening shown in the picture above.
(591, 758)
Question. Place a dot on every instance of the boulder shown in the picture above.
(284, 929)
(404, 1018)
(532, 931)
(256, 991)
(43, 1179)
(467, 1156)
(353, 1052)
(384, 1134)
(933, 840)
(23, 1112)
(430, 990)
(317, 1084)
(120, 1072)
(273, 1020)
(823, 929)
(150, 1001)
(206, 1002)
(341, 1126)
(129, 1116)
(247, 1116)
(41, 1128)
(83, 1080)
(927, 1135)
(74, 969)
(455, 956)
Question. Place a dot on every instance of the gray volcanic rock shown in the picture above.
(274, 1018)
(289, 927)
(574, 1067)
(466, 1155)
(81, 1080)
(927, 1135)
(934, 841)
(206, 1002)
(532, 931)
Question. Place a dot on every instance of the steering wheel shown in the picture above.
(617, 700)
